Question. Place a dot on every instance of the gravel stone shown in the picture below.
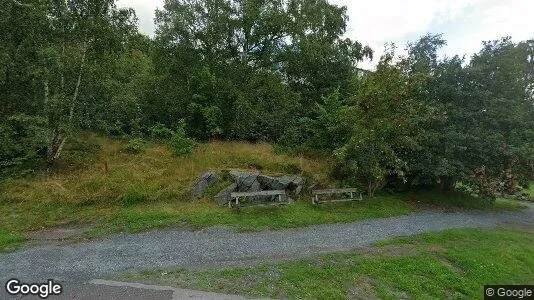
(228, 248)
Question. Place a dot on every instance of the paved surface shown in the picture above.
(114, 290)
(222, 247)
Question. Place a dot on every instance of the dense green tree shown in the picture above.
(388, 122)
(237, 67)
(483, 135)
(49, 48)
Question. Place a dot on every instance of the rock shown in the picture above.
(224, 196)
(293, 185)
(246, 181)
(203, 183)
(270, 183)
(297, 185)
(255, 182)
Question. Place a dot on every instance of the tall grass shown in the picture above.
(80, 190)
(154, 175)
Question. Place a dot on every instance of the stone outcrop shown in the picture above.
(255, 182)
(248, 182)
(224, 196)
(203, 183)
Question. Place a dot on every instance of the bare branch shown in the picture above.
(22, 4)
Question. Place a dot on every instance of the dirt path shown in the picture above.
(223, 247)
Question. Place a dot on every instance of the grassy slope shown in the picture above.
(150, 190)
(450, 264)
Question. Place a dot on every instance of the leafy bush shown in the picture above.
(181, 144)
(160, 132)
(135, 146)
(23, 144)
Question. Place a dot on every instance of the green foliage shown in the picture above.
(484, 118)
(264, 109)
(181, 144)
(387, 121)
(276, 71)
(160, 132)
(135, 146)
(249, 85)
(10, 241)
(23, 144)
(419, 121)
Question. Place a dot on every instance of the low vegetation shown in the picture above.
(10, 241)
(276, 71)
(449, 264)
(114, 191)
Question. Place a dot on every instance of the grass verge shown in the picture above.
(449, 264)
(10, 241)
(458, 200)
(200, 215)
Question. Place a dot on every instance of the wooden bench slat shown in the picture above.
(335, 191)
(260, 193)
(338, 200)
(329, 192)
(264, 204)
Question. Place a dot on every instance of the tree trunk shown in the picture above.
(446, 184)
(78, 83)
(370, 189)
(59, 139)
(56, 146)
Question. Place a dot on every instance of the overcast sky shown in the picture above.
(463, 23)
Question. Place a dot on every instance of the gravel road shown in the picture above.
(221, 247)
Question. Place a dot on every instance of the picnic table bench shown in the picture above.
(329, 192)
(239, 197)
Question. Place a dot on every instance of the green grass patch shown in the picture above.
(530, 190)
(10, 241)
(462, 200)
(202, 214)
(449, 264)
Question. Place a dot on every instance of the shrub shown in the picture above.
(135, 146)
(23, 144)
(160, 132)
(181, 144)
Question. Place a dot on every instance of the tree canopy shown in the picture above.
(280, 71)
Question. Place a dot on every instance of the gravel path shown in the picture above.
(224, 247)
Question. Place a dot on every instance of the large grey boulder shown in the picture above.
(292, 184)
(246, 181)
(224, 196)
(255, 182)
(296, 185)
(271, 183)
(203, 183)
